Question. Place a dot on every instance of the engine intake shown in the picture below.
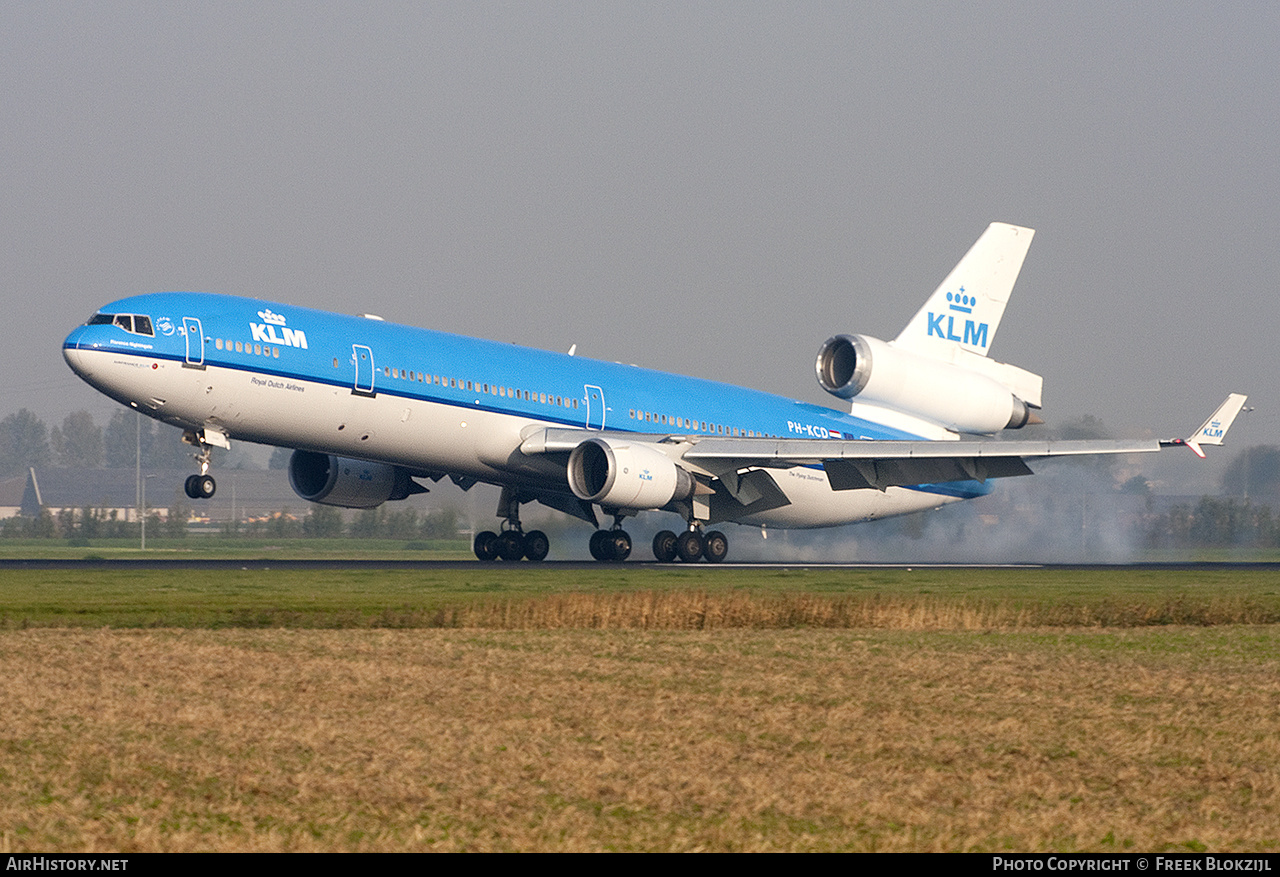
(626, 475)
(951, 395)
(347, 482)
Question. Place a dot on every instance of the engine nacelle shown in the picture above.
(346, 482)
(625, 475)
(953, 396)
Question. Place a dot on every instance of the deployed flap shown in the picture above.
(883, 474)
(965, 311)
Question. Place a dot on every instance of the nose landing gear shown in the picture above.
(201, 486)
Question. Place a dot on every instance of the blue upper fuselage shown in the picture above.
(283, 342)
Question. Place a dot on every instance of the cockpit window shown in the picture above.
(137, 324)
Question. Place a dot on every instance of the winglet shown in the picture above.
(1213, 430)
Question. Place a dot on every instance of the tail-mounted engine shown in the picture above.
(346, 482)
(956, 397)
(620, 475)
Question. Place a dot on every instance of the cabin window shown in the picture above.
(335, 362)
(257, 350)
(275, 352)
(217, 342)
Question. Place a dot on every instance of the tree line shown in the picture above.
(321, 522)
(79, 443)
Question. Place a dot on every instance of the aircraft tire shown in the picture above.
(597, 545)
(689, 546)
(664, 546)
(620, 545)
(205, 486)
(715, 546)
(190, 487)
(486, 546)
(536, 545)
(510, 546)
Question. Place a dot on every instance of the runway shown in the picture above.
(213, 564)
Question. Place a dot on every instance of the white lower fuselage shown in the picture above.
(426, 437)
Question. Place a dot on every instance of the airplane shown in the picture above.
(374, 408)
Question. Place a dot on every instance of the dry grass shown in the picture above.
(659, 740)
(682, 610)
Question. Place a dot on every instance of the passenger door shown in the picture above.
(362, 356)
(195, 342)
(595, 407)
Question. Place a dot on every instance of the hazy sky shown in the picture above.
(709, 188)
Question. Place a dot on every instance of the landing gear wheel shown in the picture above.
(486, 546)
(664, 546)
(599, 550)
(536, 545)
(715, 546)
(510, 546)
(610, 546)
(204, 486)
(620, 545)
(190, 487)
(689, 546)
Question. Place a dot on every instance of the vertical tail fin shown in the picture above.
(965, 311)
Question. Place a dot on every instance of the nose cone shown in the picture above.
(71, 351)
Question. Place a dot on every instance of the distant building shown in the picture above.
(243, 494)
(11, 496)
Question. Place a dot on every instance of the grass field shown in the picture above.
(636, 596)
(641, 709)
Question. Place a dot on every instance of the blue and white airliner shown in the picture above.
(374, 408)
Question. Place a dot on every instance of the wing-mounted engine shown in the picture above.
(347, 482)
(626, 475)
(975, 399)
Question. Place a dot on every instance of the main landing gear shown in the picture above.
(690, 546)
(512, 543)
(611, 546)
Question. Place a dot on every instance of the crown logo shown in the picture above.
(958, 301)
(272, 318)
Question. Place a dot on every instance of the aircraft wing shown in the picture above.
(859, 464)
(850, 464)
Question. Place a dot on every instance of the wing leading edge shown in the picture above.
(858, 464)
